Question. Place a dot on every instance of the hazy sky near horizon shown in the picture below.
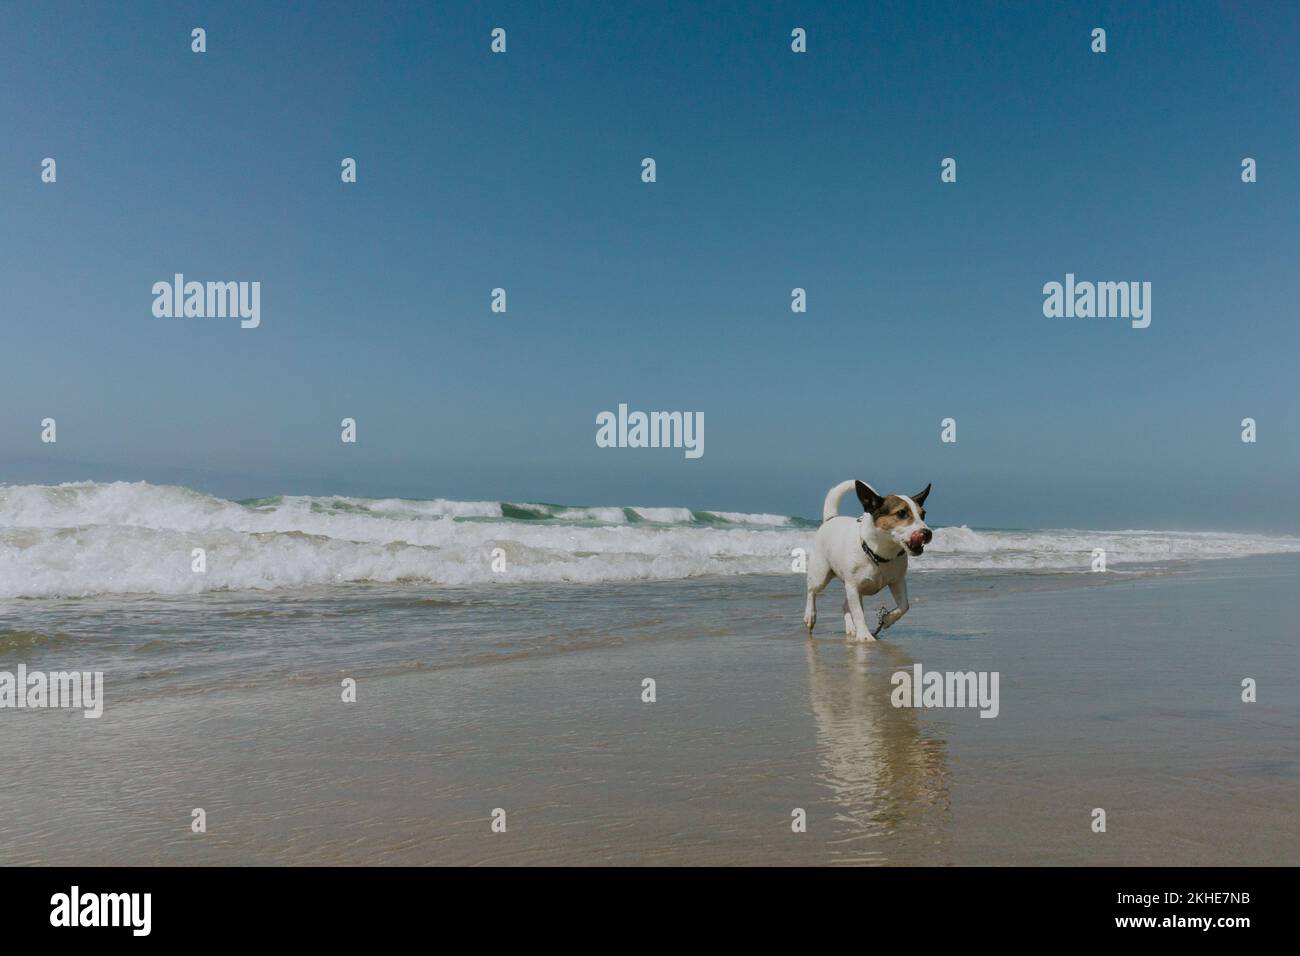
(775, 170)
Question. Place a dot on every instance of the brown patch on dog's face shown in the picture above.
(892, 514)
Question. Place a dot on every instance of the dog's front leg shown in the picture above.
(810, 610)
(819, 575)
(899, 590)
(853, 598)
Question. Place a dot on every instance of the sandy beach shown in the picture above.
(1119, 691)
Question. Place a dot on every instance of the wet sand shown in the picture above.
(1118, 691)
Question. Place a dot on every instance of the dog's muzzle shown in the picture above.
(918, 540)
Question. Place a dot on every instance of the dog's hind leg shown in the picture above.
(819, 575)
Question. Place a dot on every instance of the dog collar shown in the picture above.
(875, 557)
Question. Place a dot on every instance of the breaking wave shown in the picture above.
(90, 538)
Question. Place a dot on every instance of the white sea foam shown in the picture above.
(666, 515)
(89, 538)
(759, 519)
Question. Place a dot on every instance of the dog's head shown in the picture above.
(899, 516)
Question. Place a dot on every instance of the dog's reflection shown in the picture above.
(886, 775)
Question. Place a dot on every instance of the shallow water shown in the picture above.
(160, 645)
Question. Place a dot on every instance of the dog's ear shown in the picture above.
(920, 499)
(870, 500)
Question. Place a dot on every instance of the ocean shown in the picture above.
(85, 539)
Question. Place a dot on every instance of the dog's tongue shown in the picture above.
(917, 542)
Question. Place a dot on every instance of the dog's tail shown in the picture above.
(831, 507)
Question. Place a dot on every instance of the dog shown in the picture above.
(866, 553)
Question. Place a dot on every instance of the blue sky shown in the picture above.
(775, 170)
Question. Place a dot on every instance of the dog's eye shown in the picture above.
(902, 512)
(923, 514)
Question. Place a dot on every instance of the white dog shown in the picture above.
(866, 553)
